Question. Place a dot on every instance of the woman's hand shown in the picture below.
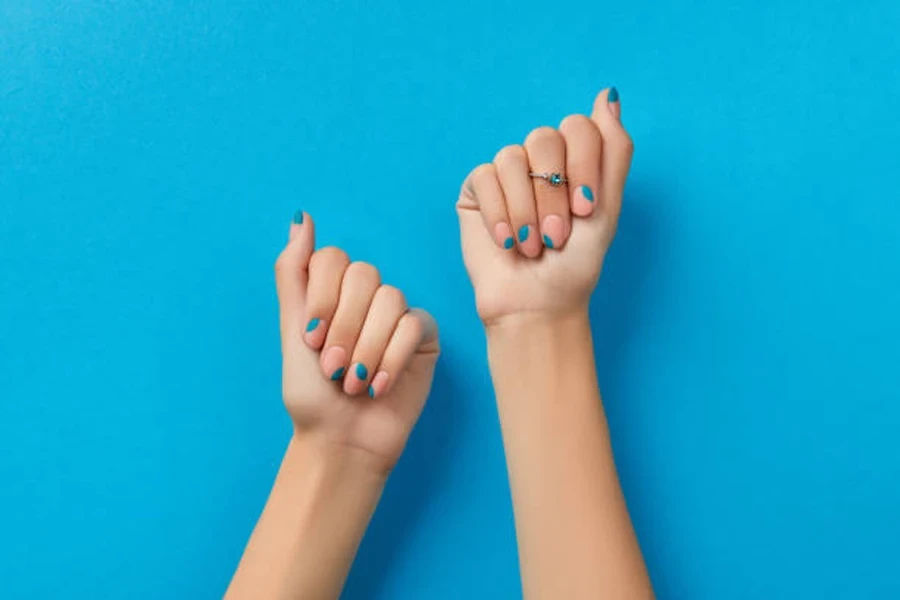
(358, 364)
(514, 226)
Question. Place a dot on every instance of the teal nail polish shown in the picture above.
(548, 242)
(613, 95)
(361, 371)
(298, 217)
(524, 232)
(587, 193)
(337, 374)
(313, 323)
(371, 392)
(508, 243)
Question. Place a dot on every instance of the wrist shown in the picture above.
(335, 460)
(537, 326)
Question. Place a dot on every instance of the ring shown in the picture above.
(554, 179)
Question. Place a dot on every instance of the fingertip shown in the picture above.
(582, 201)
(316, 329)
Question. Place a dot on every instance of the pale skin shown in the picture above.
(532, 291)
(358, 367)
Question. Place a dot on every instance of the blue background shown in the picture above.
(151, 157)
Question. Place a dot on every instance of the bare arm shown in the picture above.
(311, 527)
(574, 533)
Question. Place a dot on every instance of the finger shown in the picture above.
(487, 192)
(615, 159)
(358, 287)
(416, 333)
(546, 151)
(583, 146)
(291, 275)
(388, 306)
(512, 171)
(326, 272)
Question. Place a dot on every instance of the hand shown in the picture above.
(502, 209)
(369, 342)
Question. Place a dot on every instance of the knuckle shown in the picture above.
(575, 122)
(282, 264)
(483, 171)
(509, 154)
(542, 135)
(364, 272)
(392, 297)
(330, 255)
(413, 325)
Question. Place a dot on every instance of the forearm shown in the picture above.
(308, 534)
(575, 535)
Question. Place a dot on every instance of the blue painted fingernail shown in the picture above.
(548, 242)
(587, 193)
(613, 95)
(298, 217)
(524, 232)
(371, 392)
(361, 372)
(313, 323)
(508, 243)
(337, 374)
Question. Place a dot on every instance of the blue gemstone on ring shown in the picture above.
(555, 179)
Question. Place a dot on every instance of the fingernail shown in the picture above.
(334, 362)
(582, 201)
(298, 217)
(379, 384)
(362, 373)
(503, 234)
(524, 232)
(613, 95)
(553, 231)
(315, 333)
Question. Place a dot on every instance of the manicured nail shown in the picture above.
(315, 333)
(587, 193)
(582, 201)
(613, 95)
(362, 373)
(503, 234)
(298, 217)
(553, 231)
(524, 232)
(379, 384)
(334, 362)
(313, 323)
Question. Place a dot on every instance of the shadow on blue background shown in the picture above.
(747, 324)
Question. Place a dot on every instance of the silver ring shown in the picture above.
(555, 179)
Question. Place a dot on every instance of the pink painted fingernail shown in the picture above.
(553, 231)
(334, 362)
(503, 235)
(315, 332)
(582, 201)
(379, 384)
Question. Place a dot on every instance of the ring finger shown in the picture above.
(546, 150)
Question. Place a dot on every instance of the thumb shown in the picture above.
(617, 151)
(291, 273)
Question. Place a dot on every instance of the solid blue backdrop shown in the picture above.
(152, 155)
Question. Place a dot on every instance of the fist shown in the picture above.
(357, 363)
(536, 222)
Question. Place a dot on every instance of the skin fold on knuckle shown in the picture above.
(509, 155)
(363, 275)
(542, 135)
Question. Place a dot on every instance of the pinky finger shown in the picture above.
(416, 333)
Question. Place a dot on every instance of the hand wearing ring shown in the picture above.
(537, 221)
